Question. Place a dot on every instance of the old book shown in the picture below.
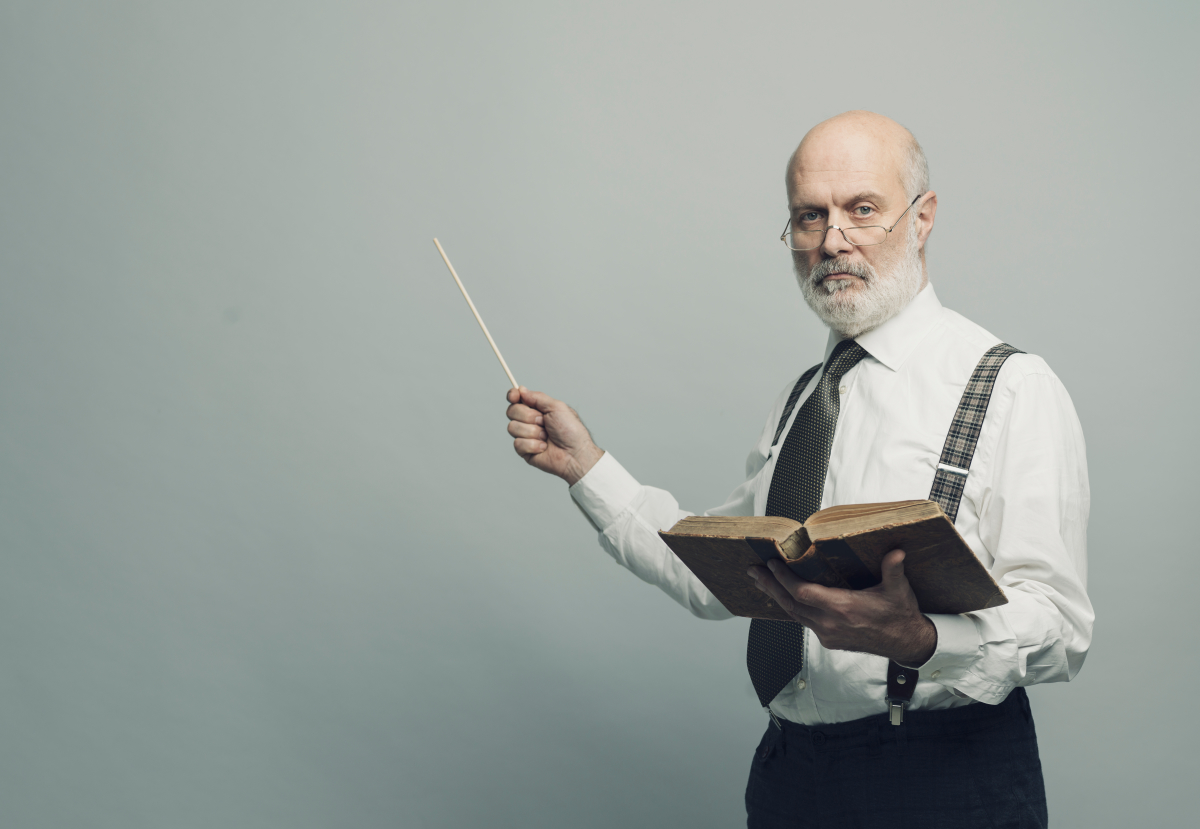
(837, 547)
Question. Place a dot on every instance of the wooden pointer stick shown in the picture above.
(478, 318)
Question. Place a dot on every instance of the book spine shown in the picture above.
(809, 566)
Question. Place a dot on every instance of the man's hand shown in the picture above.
(882, 620)
(550, 436)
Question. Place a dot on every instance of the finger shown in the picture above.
(767, 583)
(892, 570)
(770, 585)
(816, 596)
(513, 395)
(784, 574)
(541, 401)
(526, 430)
(523, 413)
(527, 447)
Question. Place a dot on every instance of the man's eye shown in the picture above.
(810, 217)
(863, 210)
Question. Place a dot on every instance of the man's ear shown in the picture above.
(925, 217)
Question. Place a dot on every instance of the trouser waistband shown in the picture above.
(944, 721)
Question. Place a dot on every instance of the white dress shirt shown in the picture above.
(1024, 513)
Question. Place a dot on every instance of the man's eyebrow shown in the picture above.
(863, 195)
(866, 195)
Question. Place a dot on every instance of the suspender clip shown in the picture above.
(953, 470)
(901, 684)
(774, 719)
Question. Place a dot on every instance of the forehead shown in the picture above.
(835, 164)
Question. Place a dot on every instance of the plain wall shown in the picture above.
(267, 556)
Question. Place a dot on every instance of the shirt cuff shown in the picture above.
(605, 491)
(958, 647)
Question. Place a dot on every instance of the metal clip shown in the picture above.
(896, 711)
(954, 470)
(774, 719)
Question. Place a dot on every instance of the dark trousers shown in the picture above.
(974, 766)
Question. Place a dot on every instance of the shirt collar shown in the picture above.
(893, 342)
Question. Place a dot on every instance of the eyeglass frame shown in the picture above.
(825, 232)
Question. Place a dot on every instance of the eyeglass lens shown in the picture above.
(859, 236)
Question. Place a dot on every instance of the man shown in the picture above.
(843, 747)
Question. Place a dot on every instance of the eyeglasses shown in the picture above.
(860, 237)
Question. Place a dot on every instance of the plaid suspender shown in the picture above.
(955, 461)
(948, 484)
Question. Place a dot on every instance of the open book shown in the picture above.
(837, 547)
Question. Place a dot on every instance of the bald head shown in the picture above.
(849, 183)
(860, 142)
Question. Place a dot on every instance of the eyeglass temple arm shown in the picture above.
(901, 216)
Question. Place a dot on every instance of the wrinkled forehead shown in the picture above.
(827, 164)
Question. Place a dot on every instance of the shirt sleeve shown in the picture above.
(628, 516)
(1029, 489)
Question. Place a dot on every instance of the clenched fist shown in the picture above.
(549, 435)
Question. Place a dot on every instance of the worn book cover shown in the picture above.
(837, 547)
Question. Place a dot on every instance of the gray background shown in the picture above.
(266, 556)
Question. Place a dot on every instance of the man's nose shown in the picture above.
(835, 242)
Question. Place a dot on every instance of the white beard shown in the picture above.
(851, 307)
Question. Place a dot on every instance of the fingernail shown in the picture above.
(752, 573)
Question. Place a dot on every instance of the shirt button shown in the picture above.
(801, 684)
(842, 390)
(935, 674)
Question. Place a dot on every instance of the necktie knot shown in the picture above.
(845, 356)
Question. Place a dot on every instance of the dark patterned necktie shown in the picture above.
(775, 650)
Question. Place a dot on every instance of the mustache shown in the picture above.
(840, 265)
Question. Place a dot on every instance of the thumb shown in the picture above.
(892, 570)
(541, 401)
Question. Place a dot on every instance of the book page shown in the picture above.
(856, 518)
